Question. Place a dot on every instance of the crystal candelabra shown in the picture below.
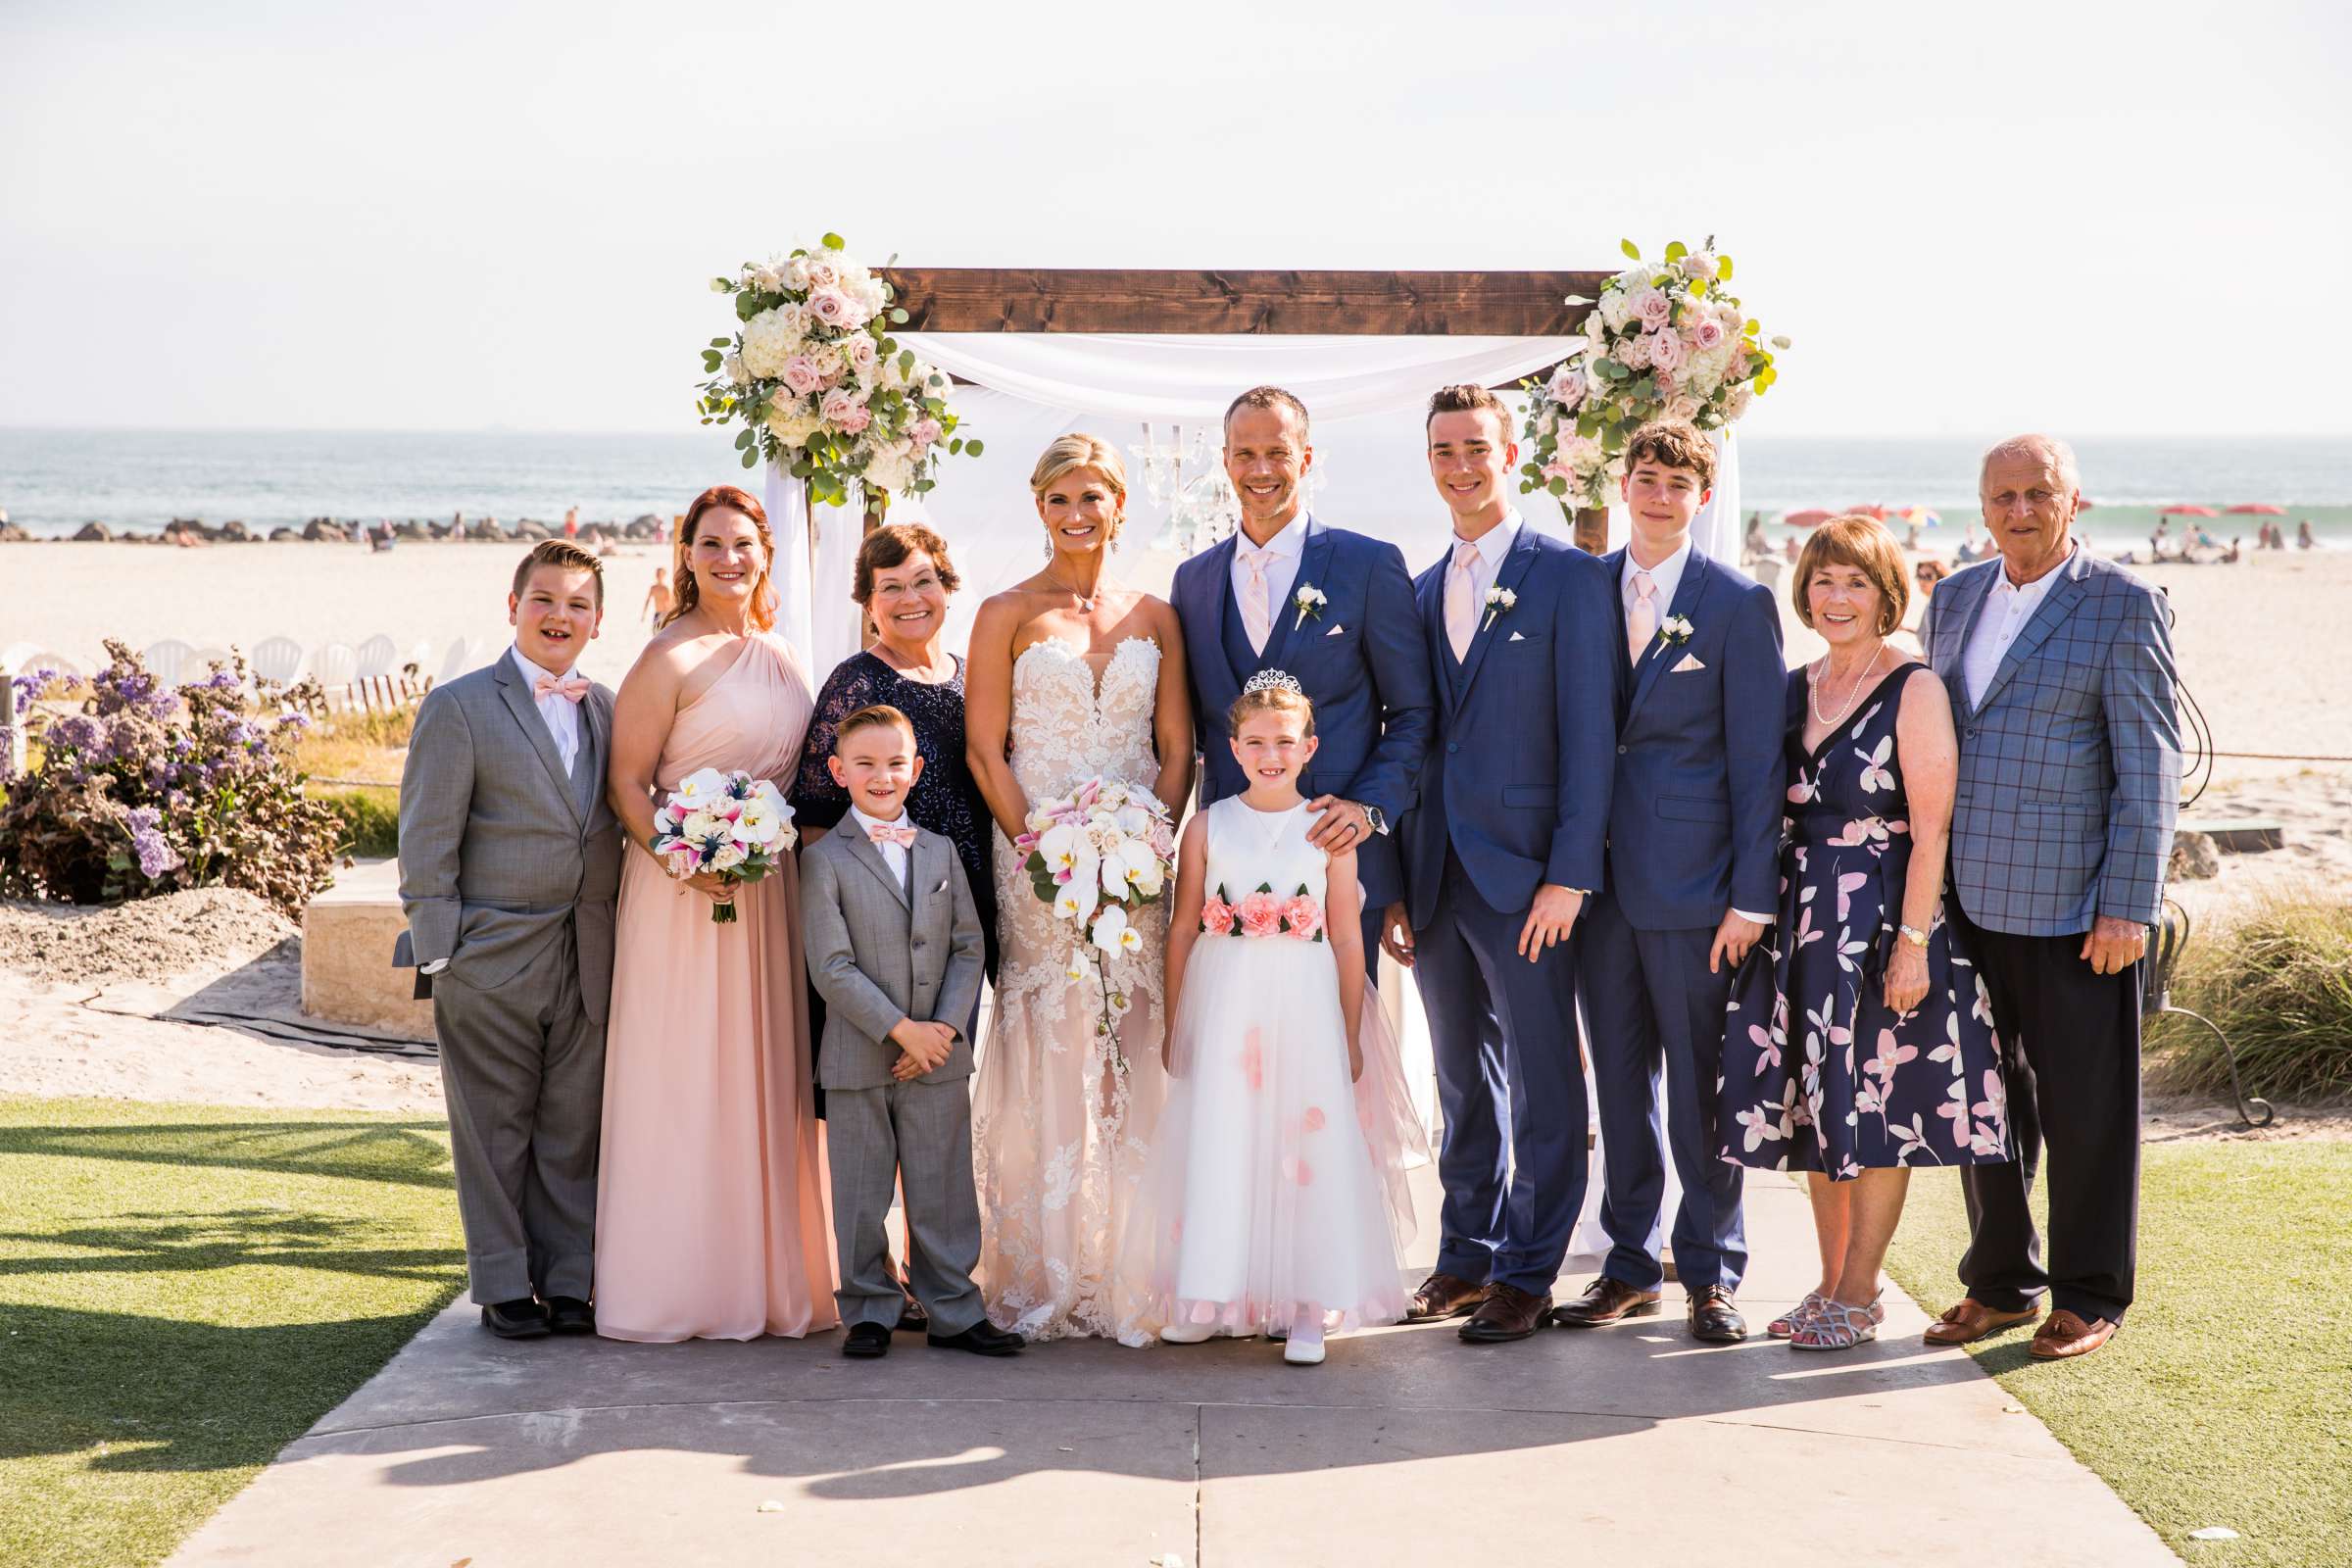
(1184, 475)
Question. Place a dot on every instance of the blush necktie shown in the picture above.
(572, 688)
(899, 833)
(1257, 609)
(1642, 619)
(1461, 599)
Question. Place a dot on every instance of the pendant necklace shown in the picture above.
(1086, 602)
(1853, 695)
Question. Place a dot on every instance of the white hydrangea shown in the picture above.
(769, 339)
(890, 467)
(792, 421)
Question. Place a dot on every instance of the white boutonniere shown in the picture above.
(1675, 630)
(1498, 599)
(1310, 601)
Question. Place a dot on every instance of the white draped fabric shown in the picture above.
(1366, 397)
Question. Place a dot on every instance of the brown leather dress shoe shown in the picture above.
(1605, 1300)
(1444, 1294)
(2066, 1335)
(1715, 1317)
(1505, 1313)
(1971, 1320)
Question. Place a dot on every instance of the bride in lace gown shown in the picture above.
(1070, 677)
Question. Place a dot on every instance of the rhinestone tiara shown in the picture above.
(1274, 680)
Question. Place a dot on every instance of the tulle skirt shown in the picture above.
(1274, 1184)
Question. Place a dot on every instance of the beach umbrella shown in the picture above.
(2189, 512)
(1810, 518)
(2084, 505)
(1920, 517)
(2260, 508)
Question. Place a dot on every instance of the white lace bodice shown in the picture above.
(1067, 728)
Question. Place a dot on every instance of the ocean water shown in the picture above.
(52, 480)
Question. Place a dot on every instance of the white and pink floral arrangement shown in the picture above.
(1093, 857)
(1663, 342)
(820, 386)
(732, 825)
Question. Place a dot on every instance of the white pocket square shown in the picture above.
(941, 888)
(1515, 637)
(1689, 663)
(1335, 631)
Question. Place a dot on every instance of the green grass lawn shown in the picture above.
(183, 1291)
(2227, 1399)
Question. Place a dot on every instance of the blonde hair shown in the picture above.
(1864, 544)
(1269, 699)
(1076, 451)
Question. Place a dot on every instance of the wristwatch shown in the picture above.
(1912, 935)
(1380, 823)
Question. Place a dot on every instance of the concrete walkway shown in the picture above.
(1406, 1448)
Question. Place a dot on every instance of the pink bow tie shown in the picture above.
(572, 688)
(899, 833)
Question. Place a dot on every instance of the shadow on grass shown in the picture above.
(159, 1395)
(144, 1243)
(413, 1151)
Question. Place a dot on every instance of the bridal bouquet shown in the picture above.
(732, 824)
(1093, 857)
(1663, 342)
(818, 383)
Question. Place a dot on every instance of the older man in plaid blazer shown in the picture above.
(2061, 674)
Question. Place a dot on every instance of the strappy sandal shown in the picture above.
(1780, 1328)
(1837, 1327)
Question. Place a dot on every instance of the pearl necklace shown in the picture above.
(1086, 602)
(1813, 689)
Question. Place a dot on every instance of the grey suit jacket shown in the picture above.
(875, 958)
(499, 846)
(2069, 768)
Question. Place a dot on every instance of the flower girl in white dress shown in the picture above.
(1274, 1200)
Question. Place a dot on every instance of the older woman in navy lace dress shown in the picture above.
(903, 582)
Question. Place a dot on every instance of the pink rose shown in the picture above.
(1665, 382)
(1631, 351)
(1707, 334)
(844, 411)
(1666, 351)
(864, 355)
(924, 431)
(857, 418)
(1567, 387)
(1653, 308)
(1304, 916)
(833, 307)
(802, 374)
(823, 274)
(1260, 916)
(1216, 916)
(1682, 406)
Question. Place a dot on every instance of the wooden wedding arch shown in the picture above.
(983, 299)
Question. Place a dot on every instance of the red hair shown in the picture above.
(762, 613)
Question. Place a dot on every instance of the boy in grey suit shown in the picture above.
(894, 946)
(509, 864)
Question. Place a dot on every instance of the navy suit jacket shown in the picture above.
(1361, 662)
(1518, 784)
(1695, 828)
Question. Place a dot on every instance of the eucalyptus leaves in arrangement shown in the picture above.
(1664, 341)
(820, 385)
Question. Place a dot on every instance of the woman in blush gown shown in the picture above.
(710, 1210)
(1071, 677)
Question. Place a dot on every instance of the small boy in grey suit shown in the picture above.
(894, 946)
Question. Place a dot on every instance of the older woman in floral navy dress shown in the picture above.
(1863, 1044)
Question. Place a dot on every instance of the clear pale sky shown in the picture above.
(2115, 219)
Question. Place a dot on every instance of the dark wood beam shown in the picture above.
(977, 299)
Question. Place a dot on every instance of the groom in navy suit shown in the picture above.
(1500, 855)
(1335, 610)
(1694, 830)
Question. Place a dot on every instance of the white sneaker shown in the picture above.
(1187, 1332)
(1304, 1353)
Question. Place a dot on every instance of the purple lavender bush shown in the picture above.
(148, 790)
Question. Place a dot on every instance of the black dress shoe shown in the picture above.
(520, 1319)
(1605, 1300)
(912, 1319)
(1505, 1313)
(1715, 1317)
(867, 1340)
(1444, 1294)
(981, 1339)
(568, 1314)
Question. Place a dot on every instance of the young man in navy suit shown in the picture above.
(1334, 609)
(1693, 874)
(1500, 857)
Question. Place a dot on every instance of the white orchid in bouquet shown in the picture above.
(820, 386)
(732, 825)
(1663, 342)
(1094, 857)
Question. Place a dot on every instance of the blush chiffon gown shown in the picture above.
(711, 1205)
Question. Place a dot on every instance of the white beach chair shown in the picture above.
(461, 654)
(167, 660)
(202, 661)
(334, 664)
(277, 659)
(375, 657)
